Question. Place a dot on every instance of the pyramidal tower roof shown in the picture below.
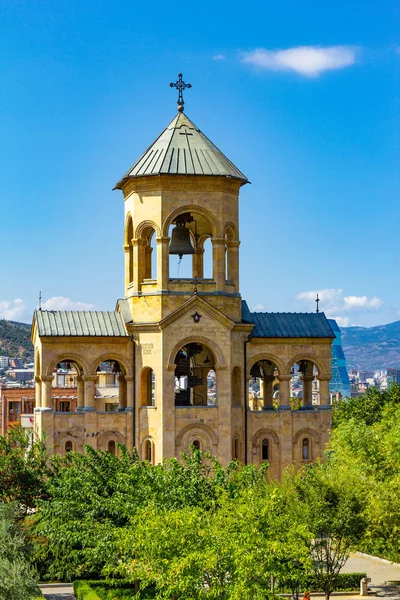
(182, 149)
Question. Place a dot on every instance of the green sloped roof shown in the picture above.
(287, 325)
(182, 149)
(80, 323)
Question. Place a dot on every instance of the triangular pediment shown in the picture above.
(202, 307)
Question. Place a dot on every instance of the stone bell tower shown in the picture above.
(191, 364)
(182, 192)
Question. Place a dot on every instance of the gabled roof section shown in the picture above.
(287, 325)
(182, 149)
(55, 323)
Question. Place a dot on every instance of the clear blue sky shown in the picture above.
(304, 97)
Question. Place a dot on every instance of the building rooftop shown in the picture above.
(182, 149)
(287, 325)
(79, 323)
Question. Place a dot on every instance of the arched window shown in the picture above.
(129, 247)
(196, 445)
(111, 447)
(68, 446)
(306, 449)
(148, 387)
(148, 450)
(265, 449)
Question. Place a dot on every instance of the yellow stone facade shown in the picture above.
(162, 330)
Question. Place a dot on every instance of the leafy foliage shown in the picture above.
(24, 468)
(366, 445)
(18, 579)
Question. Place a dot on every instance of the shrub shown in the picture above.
(83, 591)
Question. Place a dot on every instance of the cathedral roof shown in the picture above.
(182, 149)
(79, 323)
(287, 325)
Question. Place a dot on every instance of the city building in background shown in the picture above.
(340, 382)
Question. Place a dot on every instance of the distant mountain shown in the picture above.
(370, 348)
(15, 340)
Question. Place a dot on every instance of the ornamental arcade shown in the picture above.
(182, 361)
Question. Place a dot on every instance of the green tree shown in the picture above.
(18, 579)
(24, 468)
(329, 501)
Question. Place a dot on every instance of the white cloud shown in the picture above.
(341, 321)
(12, 310)
(258, 308)
(62, 303)
(309, 61)
(354, 302)
(335, 305)
(219, 57)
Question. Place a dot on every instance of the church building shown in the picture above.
(182, 362)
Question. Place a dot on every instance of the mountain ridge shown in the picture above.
(372, 348)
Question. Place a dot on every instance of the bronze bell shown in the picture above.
(255, 371)
(180, 241)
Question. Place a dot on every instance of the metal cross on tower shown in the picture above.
(317, 300)
(180, 85)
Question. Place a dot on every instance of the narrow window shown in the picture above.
(265, 449)
(236, 449)
(68, 446)
(148, 451)
(196, 445)
(306, 449)
(111, 447)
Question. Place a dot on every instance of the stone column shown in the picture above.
(324, 391)
(225, 415)
(47, 392)
(307, 389)
(162, 262)
(284, 391)
(80, 393)
(129, 393)
(198, 267)
(268, 392)
(233, 262)
(38, 392)
(90, 382)
(122, 387)
(219, 262)
(138, 263)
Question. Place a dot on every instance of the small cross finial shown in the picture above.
(195, 284)
(180, 85)
(317, 300)
(40, 300)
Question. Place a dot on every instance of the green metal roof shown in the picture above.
(79, 323)
(287, 325)
(182, 149)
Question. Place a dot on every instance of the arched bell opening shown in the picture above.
(195, 376)
(110, 386)
(304, 384)
(147, 256)
(263, 385)
(67, 376)
(190, 248)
